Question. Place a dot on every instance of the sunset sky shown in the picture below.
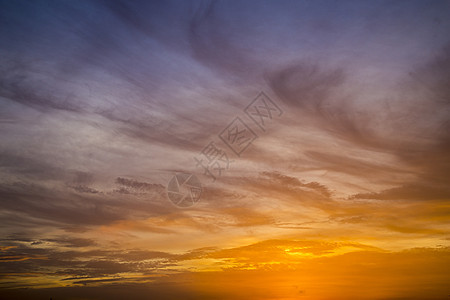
(328, 122)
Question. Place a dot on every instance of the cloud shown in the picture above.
(139, 186)
(28, 204)
(72, 242)
(423, 191)
(286, 267)
(430, 156)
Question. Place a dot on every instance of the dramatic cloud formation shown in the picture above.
(333, 183)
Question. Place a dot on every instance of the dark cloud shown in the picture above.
(413, 191)
(20, 83)
(100, 276)
(47, 205)
(139, 186)
(215, 43)
(293, 182)
(74, 264)
(62, 208)
(319, 97)
(431, 158)
(29, 167)
(344, 163)
(290, 189)
(73, 242)
(307, 86)
(115, 290)
(85, 189)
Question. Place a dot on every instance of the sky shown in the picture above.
(224, 149)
